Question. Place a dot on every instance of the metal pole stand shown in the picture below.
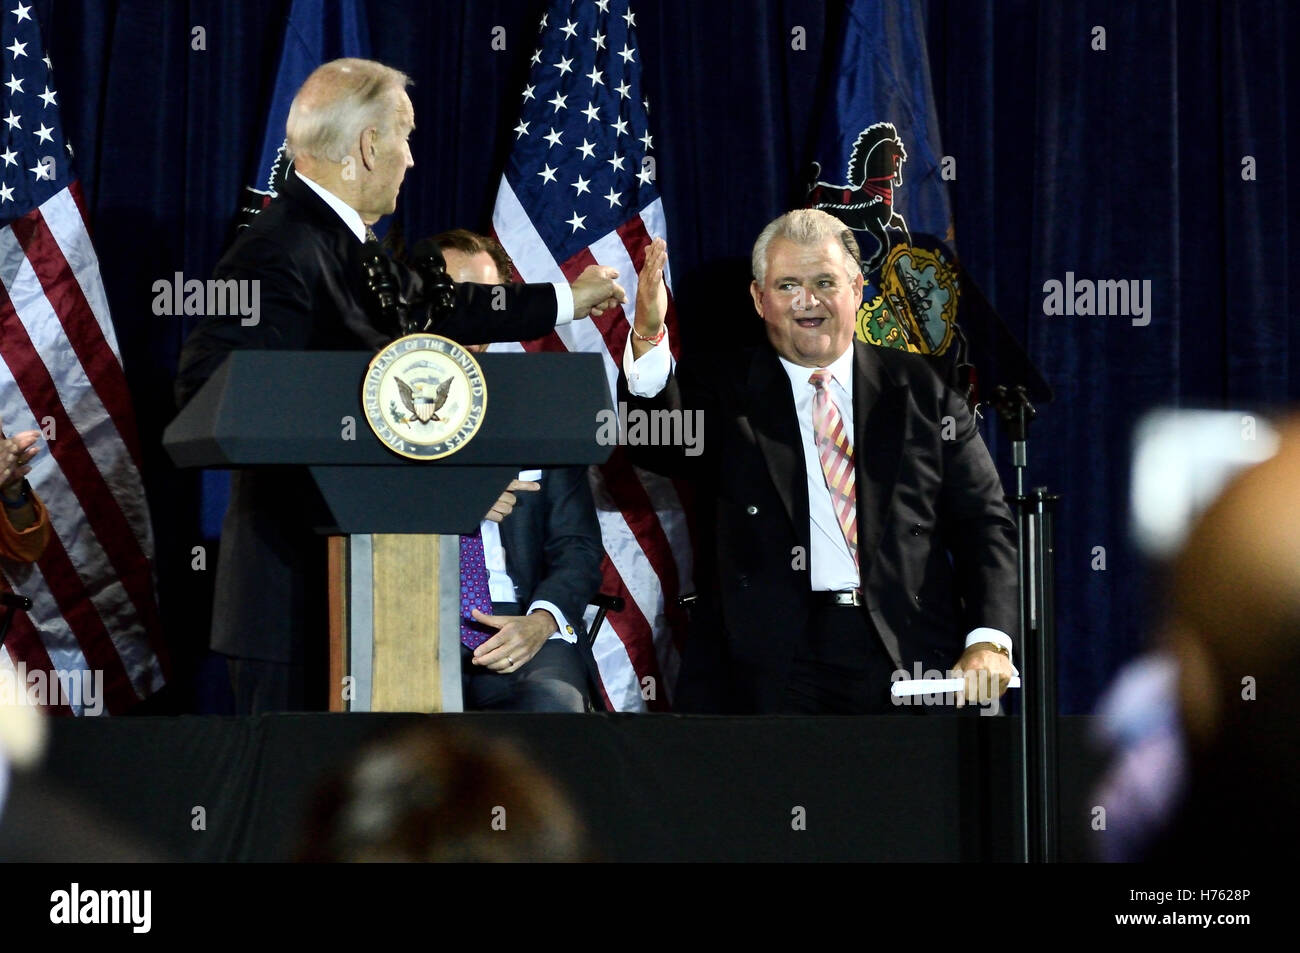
(1040, 814)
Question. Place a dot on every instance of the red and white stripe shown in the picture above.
(643, 526)
(93, 589)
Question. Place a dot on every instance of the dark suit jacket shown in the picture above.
(270, 587)
(553, 548)
(935, 537)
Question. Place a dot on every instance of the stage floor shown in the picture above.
(647, 787)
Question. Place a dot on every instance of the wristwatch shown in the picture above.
(996, 647)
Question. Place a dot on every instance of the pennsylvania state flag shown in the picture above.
(879, 168)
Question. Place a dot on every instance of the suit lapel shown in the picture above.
(879, 407)
(776, 431)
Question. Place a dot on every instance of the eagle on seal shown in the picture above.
(423, 408)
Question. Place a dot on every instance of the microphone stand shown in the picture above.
(436, 296)
(1040, 821)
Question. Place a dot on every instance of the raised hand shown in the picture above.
(651, 297)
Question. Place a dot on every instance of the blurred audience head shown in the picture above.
(22, 740)
(1234, 630)
(436, 793)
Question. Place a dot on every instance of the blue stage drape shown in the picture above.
(1117, 163)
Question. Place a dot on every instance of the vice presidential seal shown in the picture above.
(424, 396)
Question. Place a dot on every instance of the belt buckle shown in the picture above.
(850, 597)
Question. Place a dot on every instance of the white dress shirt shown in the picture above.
(830, 565)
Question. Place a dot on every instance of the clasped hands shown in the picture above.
(16, 454)
(518, 639)
(595, 291)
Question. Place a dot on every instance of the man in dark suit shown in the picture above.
(858, 526)
(543, 552)
(347, 132)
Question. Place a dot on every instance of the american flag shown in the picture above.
(93, 590)
(579, 189)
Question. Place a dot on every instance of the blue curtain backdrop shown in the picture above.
(1117, 163)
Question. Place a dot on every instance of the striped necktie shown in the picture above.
(835, 449)
(370, 234)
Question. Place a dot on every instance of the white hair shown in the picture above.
(336, 103)
(806, 226)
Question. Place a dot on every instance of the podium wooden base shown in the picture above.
(394, 623)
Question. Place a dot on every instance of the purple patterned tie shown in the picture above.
(474, 592)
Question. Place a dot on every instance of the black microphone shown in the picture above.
(382, 286)
(439, 293)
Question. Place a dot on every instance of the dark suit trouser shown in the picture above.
(260, 686)
(840, 667)
(554, 679)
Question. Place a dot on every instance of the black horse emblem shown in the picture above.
(866, 202)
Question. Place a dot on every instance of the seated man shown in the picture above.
(542, 564)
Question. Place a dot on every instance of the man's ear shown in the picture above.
(756, 293)
(367, 147)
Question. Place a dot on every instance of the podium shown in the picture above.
(394, 562)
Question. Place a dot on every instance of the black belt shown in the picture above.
(848, 597)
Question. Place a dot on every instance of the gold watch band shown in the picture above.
(994, 646)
